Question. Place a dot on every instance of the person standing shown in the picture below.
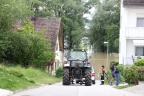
(112, 70)
(102, 75)
(111, 79)
(116, 71)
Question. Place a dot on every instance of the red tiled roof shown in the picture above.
(52, 27)
(135, 3)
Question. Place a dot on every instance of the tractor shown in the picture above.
(77, 68)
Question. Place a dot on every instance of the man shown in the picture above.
(102, 75)
(116, 71)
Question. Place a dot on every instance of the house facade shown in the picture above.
(131, 42)
(52, 28)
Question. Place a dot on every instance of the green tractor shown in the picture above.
(77, 68)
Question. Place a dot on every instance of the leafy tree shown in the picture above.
(105, 26)
(27, 47)
(71, 12)
(11, 11)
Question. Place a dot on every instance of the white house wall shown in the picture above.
(59, 54)
(132, 16)
(122, 41)
(130, 52)
(128, 19)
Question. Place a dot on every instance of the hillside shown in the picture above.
(16, 77)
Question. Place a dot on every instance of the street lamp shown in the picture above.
(107, 55)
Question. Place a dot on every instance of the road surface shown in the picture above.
(75, 90)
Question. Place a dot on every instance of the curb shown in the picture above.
(4, 92)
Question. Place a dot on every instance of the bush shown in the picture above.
(121, 70)
(114, 62)
(139, 62)
(25, 47)
(59, 71)
(131, 75)
(140, 70)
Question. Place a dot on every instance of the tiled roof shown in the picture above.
(133, 3)
(52, 27)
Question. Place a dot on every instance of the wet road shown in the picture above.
(75, 90)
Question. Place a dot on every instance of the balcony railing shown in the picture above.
(134, 33)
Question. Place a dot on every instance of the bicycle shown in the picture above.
(111, 79)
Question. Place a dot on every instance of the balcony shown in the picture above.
(134, 33)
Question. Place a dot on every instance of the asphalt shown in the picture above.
(138, 89)
(4, 92)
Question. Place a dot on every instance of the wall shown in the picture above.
(130, 52)
(99, 59)
(132, 16)
(128, 18)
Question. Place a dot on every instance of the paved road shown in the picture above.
(75, 90)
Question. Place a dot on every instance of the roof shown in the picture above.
(133, 3)
(52, 27)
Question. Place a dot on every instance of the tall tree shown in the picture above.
(105, 26)
(71, 12)
(11, 11)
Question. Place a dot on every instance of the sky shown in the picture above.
(89, 16)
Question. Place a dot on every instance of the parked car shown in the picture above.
(93, 75)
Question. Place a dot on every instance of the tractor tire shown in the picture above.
(88, 80)
(66, 79)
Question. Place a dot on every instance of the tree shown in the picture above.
(105, 26)
(26, 47)
(71, 12)
(11, 11)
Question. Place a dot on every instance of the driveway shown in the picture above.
(75, 90)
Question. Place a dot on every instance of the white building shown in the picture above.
(131, 44)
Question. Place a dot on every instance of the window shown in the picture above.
(140, 22)
(139, 51)
(77, 55)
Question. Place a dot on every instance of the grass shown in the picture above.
(16, 77)
(125, 86)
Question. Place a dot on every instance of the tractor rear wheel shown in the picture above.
(88, 80)
(66, 79)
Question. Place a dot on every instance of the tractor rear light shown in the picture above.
(93, 74)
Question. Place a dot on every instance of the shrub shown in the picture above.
(131, 75)
(59, 72)
(139, 62)
(140, 70)
(114, 62)
(121, 69)
(25, 47)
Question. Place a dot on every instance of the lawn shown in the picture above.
(16, 77)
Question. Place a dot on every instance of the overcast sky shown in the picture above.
(89, 16)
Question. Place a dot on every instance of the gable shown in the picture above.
(52, 28)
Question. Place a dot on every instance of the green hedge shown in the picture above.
(139, 62)
(59, 71)
(121, 69)
(25, 47)
(133, 74)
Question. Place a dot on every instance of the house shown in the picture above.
(131, 42)
(53, 31)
